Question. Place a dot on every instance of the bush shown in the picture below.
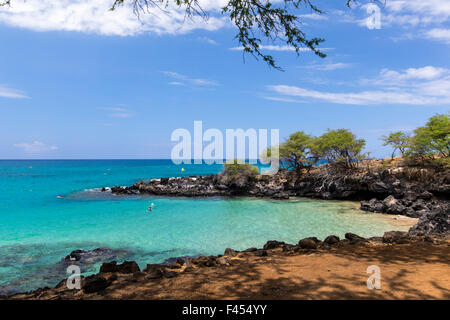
(430, 144)
(236, 170)
(398, 141)
(339, 147)
(295, 153)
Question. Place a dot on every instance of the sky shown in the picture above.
(78, 81)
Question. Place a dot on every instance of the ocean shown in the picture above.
(49, 208)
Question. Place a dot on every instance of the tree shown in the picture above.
(338, 146)
(238, 175)
(398, 141)
(431, 141)
(295, 152)
(438, 129)
(235, 170)
(256, 20)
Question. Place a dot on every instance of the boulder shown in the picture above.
(436, 221)
(372, 205)
(230, 252)
(89, 257)
(154, 271)
(224, 261)
(393, 206)
(426, 195)
(332, 239)
(95, 283)
(125, 267)
(379, 187)
(395, 237)
(410, 196)
(261, 253)
(281, 196)
(307, 243)
(203, 261)
(419, 205)
(272, 244)
(354, 238)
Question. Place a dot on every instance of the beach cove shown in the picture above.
(38, 229)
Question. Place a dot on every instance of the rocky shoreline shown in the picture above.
(422, 193)
(413, 192)
(113, 276)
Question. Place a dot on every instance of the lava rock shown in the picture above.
(230, 252)
(393, 206)
(436, 221)
(261, 253)
(223, 260)
(307, 243)
(153, 271)
(125, 267)
(372, 205)
(395, 237)
(88, 257)
(332, 239)
(95, 283)
(281, 196)
(272, 244)
(354, 238)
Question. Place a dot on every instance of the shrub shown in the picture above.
(236, 170)
(398, 141)
(430, 144)
(295, 153)
(339, 147)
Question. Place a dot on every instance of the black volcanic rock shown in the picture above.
(95, 283)
(125, 267)
(272, 244)
(436, 221)
(332, 239)
(395, 237)
(307, 243)
(354, 238)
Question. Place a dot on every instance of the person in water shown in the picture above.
(151, 207)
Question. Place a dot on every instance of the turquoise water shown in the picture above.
(37, 228)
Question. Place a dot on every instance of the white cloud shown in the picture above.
(439, 34)
(119, 112)
(428, 11)
(6, 92)
(425, 73)
(314, 16)
(414, 86)
(208, 40)
(95, 17)
(280, 99)
(176, 83)
(35, 147)
(327, 66)
(183, 79)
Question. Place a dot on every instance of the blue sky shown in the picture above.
(79, 81)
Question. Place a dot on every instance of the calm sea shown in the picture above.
(38, 228)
